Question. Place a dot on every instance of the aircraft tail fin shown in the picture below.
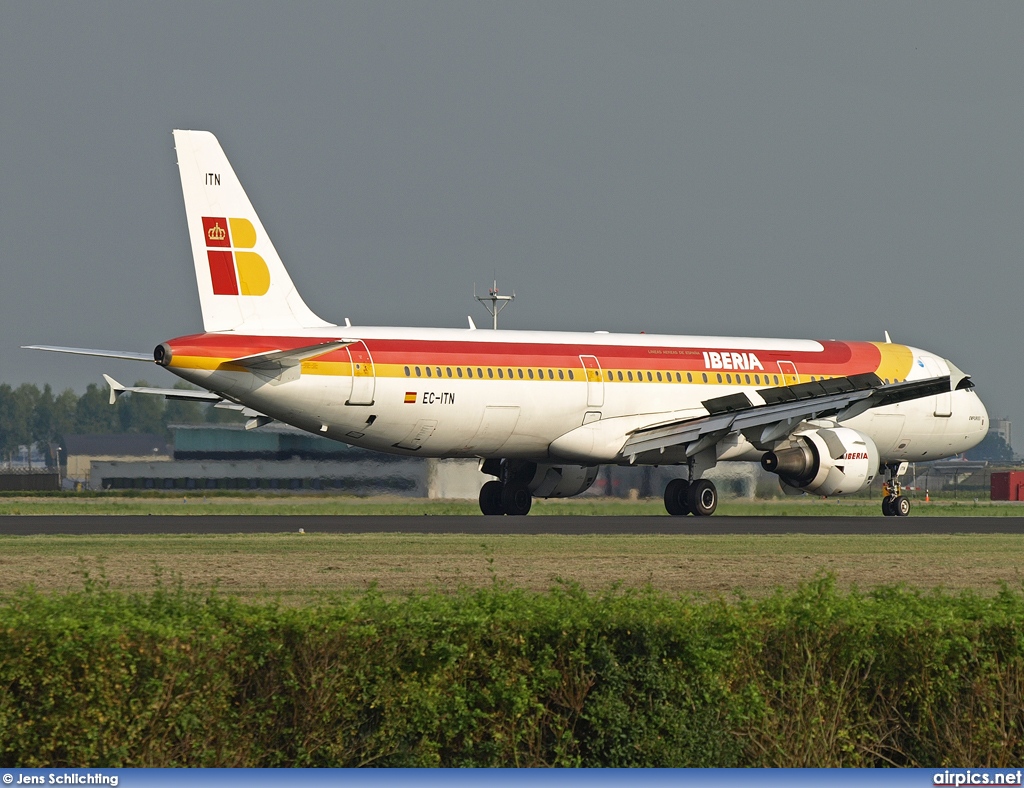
(243, 284)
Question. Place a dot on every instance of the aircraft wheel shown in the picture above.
(901, 506)
(703, 498)
(676, 499)
(490, 498)
(887, 507)
(516, 498)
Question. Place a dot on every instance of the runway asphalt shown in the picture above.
(244, 524)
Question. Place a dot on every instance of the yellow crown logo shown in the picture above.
(216, 233)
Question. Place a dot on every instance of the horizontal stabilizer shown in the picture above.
(277, 359)
(183, 395)
(82, 351)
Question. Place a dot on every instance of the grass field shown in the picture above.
(194, 504)
(303, 568)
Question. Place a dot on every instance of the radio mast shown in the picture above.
(497, 302)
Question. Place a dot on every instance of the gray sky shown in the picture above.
(820, 170)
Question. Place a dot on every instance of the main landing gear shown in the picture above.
(698, 497)
(894, 504)
(511, 498)
(510, 493)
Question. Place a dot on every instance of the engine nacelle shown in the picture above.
(562, 481)
(832, 461)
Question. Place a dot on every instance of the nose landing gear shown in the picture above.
(894, 504)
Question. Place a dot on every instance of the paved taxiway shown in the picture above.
(349, 524)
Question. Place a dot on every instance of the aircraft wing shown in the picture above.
(783, 410)
(81, 351)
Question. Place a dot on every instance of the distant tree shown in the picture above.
(183, 412)
(17, 407)
(52, 419)
(992, 449)
(141, 412)
(93, 413)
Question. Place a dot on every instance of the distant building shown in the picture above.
(1003, 428)
(83, 450)
(279, 457)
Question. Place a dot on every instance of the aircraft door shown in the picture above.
(789, 373)
(595, 383)
(363, 375)
(944, 401)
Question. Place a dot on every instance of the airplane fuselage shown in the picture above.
(523, 394)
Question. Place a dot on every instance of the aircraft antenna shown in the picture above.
(497, 302)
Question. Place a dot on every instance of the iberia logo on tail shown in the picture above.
(233, 271)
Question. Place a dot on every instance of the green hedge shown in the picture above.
(502, 677)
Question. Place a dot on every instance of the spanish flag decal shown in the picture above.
(410, 397)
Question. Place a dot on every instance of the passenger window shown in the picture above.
(757, 379)
(407, 372)
(448, 371)
(438, 371)
(610, 375)
(659, 377)
(530, 372)
(561, 375)
(728, 378)
(630, 373)
(719, 377)
(776, 380)
(469, 371)
(428, 372)
(480, 373)
(620, 374)
(689, 377)
(459, 371)
(417, 372)
(570, 375)
(705, 376)
(501, 373)
(490, 372)
(520, 371)
(746, 379)
(679, 378)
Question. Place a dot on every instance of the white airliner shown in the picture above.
(544, 410)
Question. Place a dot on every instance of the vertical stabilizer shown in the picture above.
(243, 285)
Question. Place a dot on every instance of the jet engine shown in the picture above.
(831, 461)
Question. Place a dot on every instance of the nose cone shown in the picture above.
(973, 421)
